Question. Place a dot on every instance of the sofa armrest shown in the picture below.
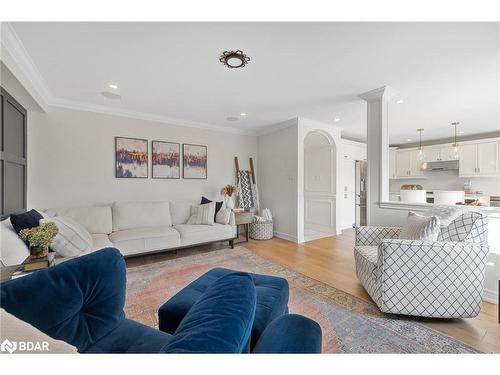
(371, 236)
(433, 279)
(290, 334)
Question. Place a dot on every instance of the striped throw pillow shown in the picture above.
(202, 214)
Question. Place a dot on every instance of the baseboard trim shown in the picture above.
(490, 296)
(285, 236)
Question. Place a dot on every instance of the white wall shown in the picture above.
(71, 159)
(277, 177)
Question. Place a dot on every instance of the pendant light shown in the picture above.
(455, 144)
(420, 147)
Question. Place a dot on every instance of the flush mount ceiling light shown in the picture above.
(243, 114)
(112, 86)
(337, 119)
(400, 101)
(234, 59)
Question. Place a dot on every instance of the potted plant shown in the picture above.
(228, 191)
(39, 238)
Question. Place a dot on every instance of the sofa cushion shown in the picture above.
(14, 329)
(129, 215)
(223, 216)
(472, 226)
(13, 250)
(97, 219)
(193, 234)
(100, 241)
(133, 241)
(78, 301)
(418, 227)
(72, 238)
(25, 220)
(180, 212)
(367, 270)
(272, 301)
(218, 205)
(221, 320)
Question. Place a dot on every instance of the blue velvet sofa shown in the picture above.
(81, 302)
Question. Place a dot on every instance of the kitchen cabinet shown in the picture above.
(443, 153)
(479, 159)
(408, 164)
(392, 163)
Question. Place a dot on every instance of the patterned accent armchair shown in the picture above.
(442, 279)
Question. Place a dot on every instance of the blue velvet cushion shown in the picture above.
(272, 301)
(79, 301)
(291, 334)
(220, 321)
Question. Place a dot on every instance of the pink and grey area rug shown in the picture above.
(349, 324)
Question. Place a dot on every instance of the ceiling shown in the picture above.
(444, 72)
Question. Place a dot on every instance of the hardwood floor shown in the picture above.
(331, 261)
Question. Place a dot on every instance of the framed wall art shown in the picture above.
(131, 158)
(194, 164)
(166, 159)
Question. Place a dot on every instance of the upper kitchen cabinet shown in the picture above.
(439, 153)
(479, 159)
(408, 164)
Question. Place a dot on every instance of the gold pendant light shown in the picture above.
(420, 147)
(455, 144)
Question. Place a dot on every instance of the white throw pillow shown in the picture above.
(13, 250)
(420, 227)
(223, 216)
(72, 240)
(202, 214)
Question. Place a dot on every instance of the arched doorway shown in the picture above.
(319, 186)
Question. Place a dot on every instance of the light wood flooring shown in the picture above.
(331, 261)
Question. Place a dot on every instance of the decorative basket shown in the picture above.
(262, 230)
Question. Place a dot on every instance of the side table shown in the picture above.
(243, 218)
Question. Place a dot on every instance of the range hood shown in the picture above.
(437, 166)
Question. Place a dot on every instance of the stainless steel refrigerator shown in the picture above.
(360, 192)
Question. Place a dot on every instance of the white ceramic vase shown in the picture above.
(229, 203)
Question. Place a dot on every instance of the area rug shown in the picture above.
(349, 324)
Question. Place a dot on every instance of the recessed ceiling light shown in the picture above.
(400, 101)
(337, 119)
(110, 95)
(112, 86)
(234, 59)
(243, 114)
(232, 118)
(408, 140)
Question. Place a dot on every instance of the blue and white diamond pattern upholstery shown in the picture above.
(442, 279)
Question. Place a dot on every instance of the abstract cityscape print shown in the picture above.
(166, 159)
(131, 157)
(195, 161)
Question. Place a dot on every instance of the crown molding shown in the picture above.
(17, 59)
(76, 105)
(22, 66)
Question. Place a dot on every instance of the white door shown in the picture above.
(402, 163)
(487, 158)
(348, 193)
(467, 160)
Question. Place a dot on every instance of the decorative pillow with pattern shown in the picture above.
(203, 214)
(472, 226)
(418, 227)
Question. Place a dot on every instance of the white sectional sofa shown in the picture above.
(134, 228)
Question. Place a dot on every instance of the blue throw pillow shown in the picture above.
(26, 220)
(220, 321)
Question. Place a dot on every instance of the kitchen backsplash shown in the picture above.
(449, 180)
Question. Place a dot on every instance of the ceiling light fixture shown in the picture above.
(112, 86)
(243, 114)
(420, 148)
(408, 140)
(400, 101)
(337, 119)
(234, 59)
(455, 144)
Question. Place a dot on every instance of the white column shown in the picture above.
(377, 146)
